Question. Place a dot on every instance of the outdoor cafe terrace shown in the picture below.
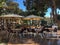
(9, 34)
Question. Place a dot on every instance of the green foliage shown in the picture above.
(8, 6)
(42, 6)
(17, 26)
(43, 22)
(23, 13)
(58, 17)
(25, 21)
(34, 7)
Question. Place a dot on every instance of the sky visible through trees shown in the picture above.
(21, 6)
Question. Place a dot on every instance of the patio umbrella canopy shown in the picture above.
(12, 15)
(33, 17)
(11, 18)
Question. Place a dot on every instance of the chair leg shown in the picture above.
(41, 35)
(20, 35)
(34, 34)
(23, 35)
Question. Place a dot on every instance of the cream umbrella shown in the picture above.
(11, 15)
(33, 17)
(11, 18)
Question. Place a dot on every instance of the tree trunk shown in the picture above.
(54, 12)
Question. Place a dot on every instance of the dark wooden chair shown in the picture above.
(55, 30)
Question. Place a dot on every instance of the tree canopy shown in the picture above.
(41, 7)
(8, 6)
(36, 6)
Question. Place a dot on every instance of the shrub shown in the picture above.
(58, 17)
(17, 26)
(43, 22)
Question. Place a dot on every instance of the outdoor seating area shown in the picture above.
(29, 22)
(27, 31)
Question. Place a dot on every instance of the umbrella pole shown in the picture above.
(28, 23)
(31, 22)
